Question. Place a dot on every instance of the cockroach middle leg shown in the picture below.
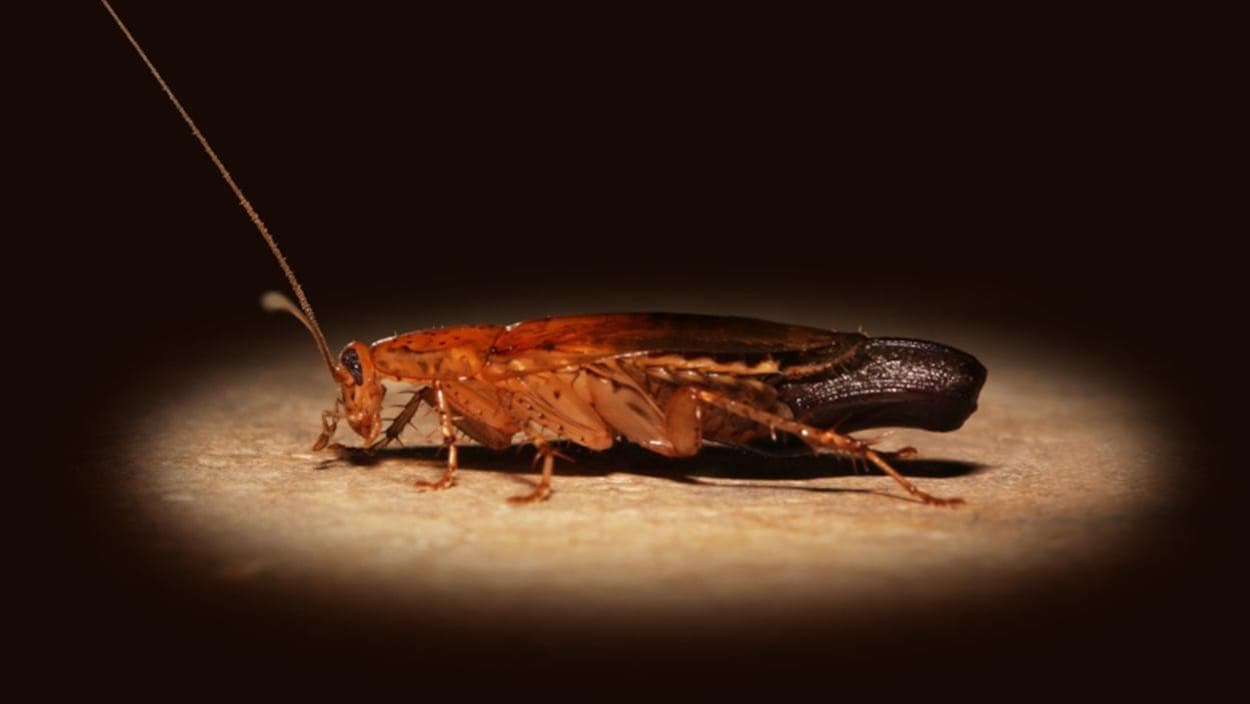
(448, 429)
(548, 454)
(827, 439)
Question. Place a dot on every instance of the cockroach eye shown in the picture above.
(352, 362)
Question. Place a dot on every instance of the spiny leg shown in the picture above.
(449, 442)
(542, 450)
(401, 421)
(827, 439)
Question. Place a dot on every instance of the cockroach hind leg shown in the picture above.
(829, 440)
(903, 453)
(911, 488)
(548, 454)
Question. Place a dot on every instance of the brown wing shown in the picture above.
(551, 343)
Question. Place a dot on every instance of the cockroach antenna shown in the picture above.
(271, 301)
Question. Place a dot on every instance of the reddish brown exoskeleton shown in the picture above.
(667, 382)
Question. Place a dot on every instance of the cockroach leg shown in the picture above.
(449, 440)
(901, 453)
(401, 421)
(911, 488)
(329, 423)
(547, 453)
(824, 439)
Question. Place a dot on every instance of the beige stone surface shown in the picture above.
(1065, 469)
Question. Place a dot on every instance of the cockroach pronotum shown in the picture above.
(668, 382)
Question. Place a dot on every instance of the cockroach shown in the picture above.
(668, 382)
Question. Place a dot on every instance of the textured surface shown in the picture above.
(1062, 469)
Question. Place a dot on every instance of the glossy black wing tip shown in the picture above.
(892, 382)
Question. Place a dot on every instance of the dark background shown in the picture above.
(1036, 178)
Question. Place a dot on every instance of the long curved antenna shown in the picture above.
(310, 320)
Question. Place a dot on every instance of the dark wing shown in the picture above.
(550, 343)
(891, 382)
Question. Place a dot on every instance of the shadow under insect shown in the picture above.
(711, 462)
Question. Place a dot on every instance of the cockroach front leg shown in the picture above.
(820, 438)
(401, 421)
(449, 441)
(329, 423)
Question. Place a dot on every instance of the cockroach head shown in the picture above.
(361, 390)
